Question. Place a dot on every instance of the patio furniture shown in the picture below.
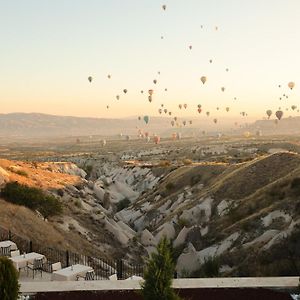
(7, 243)
(56, 266)
(15, 253)
(5, 251)
(20, 262)
(89, 275)
(36, 266)
(70, 273)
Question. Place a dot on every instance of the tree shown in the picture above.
(9, 286)
(159, 274)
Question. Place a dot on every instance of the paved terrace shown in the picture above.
(199, 283)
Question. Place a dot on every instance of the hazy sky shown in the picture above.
(50, 47)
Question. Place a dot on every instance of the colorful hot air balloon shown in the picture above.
(279, 114)
(90, 78)
(150, 98)
(139, 118)
(223, 89)
(164, 7)
(156, 139)
(215, 121)
(160, 111)
(118, 97)
(227, 109)
(170, 113)
(154, 81)
(294, 107)
(269, 113)
(165, 110)
(208, 113)
(180, 106)
(203, 79)
(125, 91)
(291, 85)
(146, 119)
(150, 92)
(185, 105)
(199, 110)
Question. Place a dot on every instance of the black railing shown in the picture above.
(103, 268)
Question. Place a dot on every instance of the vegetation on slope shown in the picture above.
(33, 198)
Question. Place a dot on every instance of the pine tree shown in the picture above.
(159, 274)
(9, 286)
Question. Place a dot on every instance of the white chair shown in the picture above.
(56, 266)
(15, 253)
(113, 277)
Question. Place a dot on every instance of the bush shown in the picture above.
(123, 204)
(170, 186)
(33, 198)
(159, 274)
(9, 286)
(210, 268)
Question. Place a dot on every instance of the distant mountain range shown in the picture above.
(43, 125)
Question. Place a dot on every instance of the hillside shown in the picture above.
(238, 214)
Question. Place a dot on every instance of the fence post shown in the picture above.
(30, 246)
(67, 258)
(120, 269)
(9, 234)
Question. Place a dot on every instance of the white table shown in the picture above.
(70, 273)
(21, 261)
(12, 245)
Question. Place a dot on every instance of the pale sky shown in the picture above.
(50, 47)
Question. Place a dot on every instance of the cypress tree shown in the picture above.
(9, 286)
(159, 274)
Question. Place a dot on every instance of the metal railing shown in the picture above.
(103, 267)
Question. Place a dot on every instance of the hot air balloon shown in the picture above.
(216, 28)
(199, 105)
(279, 114)
(156, 139)
(217, 108)
(199, 110)
(142, 91)
(175, 119)
(222, 88)
(291, 85)
(146, 119)
(269, 113)
(118, 97)
(210, 61)
(170, 113)
(185, 105)
(139, 118)
(125, 91)
(294, 107)
(164, 7)
(180, 106)
(184, 123)
(150, 92)
(227, 109)
(165, 110)
(227, 69)
(234, 98)
(166, 89)
(174, 136)
(208, 113)
(150, 99)
(190, 47)
(154, 81)
(172, 123)
(107, 106)
(162, 105)
(191, 122)
(203, 79)
(90, 78)
(108, 76)
(158, 72)
(160, 110)
(215, 121)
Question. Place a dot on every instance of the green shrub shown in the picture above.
(123, 204)
(9, 286)
(210, 268)
(159, 274)
(33, 198)
(170, 186)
